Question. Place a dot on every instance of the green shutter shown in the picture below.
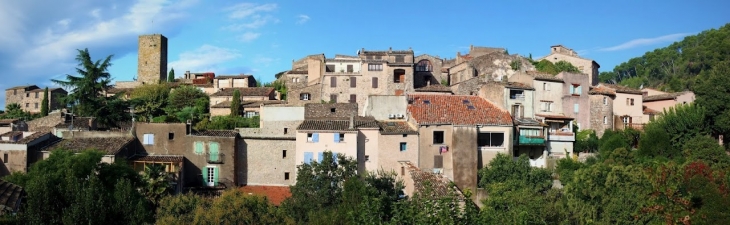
(213, 151)
(215, 176)
(198, 147)
(205, 176)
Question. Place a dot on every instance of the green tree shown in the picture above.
(564, 66)
(87, 87)
(236, 207)
(156, 183)
(179, 209)
(149, 100)
(236, 103)
(14, 111)
(713, 93)
(666, 135)
(187, 96)
(171, 75)
(706, 149)
(44, 103)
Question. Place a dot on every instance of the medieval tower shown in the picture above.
(152, 61)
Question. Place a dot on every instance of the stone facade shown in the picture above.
(304, 95)
(30, 98)
(601, 107)
(268, 161)
(330, 110)
(587, 66)
(580, 85)
(152, 59)
(428, 71)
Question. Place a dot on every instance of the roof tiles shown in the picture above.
(107, 145)
(251, 91)
(456, 110)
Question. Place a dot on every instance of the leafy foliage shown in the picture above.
(586, 141)
(666, 135)
(14, 111)
(516, 64)
(713, 93)
(171, 75)
(156, 183)
(44, 103)
(279, 86)
(149, 100)
(227, 123)
(236, 103)
(187, 102)
(546, 66)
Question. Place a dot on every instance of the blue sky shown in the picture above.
(262, 38)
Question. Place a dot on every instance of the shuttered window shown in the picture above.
(438, 161)
(308, 157)
(214, 150)
(149, 139)
(320, 156)
(353, 98)
(333, 81)
(198, 148)
(375, 82)
(353, 82)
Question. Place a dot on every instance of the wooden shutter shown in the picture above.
(572, 89)
(349, 69)
(315, 137)
(308, 157)
(199, 147)
(205, 176)
(214, 151)
(353, 82)
(375, 82)
(215, 176)
(333, 81)
(353, 98)
(333, 98)
(337, 137)
(438, 161)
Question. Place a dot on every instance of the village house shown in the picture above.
(20, 149)
(398, 139)
(586, 66)
(576, 102)
(490, 64)
(113, 146)
(601, 102)
(251, 99)
(628, 108)
(551, 92)
(655, 102)
(459, 134)
(7, 125)
(30, 98)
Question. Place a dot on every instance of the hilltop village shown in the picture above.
(426, 118)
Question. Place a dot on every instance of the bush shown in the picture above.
(566, 168)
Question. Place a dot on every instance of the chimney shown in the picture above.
(352, 122)
(428, 82)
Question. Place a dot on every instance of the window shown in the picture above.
(342, 137)
(438, 137)
(490, 139)
(626, 119)
(250, 114)
(313, 137)
(286, 130)
(605, 120)
(308, 157)
(15, 92)
(283, 154)
(320, 157)
(405, 135)
(333, 81)
(339, 137)
(517, 111)
(605, 100)
(149, 139)
(333, 110)
(424, 66)
(575, 107)
(286, 175)
(353, 98)
(546, 106)
(530, 132)
(198, 148)
(399, 75)
(27, 95)
(350, 69)
(309, 137)
(632, 101)
(213, 152)
(399, 58)
(375, 82)
(304, 97)
(36, 105)
(333, 98)
(403, 146)
(329, 68)
(517, 94)
(170, 136)
(210, 176)
(375, 67)
(545, 87)
(353, 82)
(367, 158)
(36, 95)
(27, 105)
(575, 89)
(5, 158)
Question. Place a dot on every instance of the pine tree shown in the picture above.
(171, 75)
(235, 103)
(44, 103)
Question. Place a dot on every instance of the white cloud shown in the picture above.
(302, 19)
(205, 58)
(249, 36)
(244, 10)
(646, 41)
(256, 22)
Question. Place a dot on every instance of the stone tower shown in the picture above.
(152, 61)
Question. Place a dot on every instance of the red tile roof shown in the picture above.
(648, 110)
(456, 110)
(600, 90)
(622, 89)
(251, 91)
(275, 194)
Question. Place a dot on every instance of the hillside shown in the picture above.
(677, 66)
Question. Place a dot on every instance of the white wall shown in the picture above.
(380, 106)
(269, 113)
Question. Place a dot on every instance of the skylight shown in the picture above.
(466, 101)
(391, 124)
(427, 102)
(470, 107)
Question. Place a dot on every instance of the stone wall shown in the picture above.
(342, 110)
(598, 111)
(435, 74)
(266, 163)
(467, 87)
(51, 120)
(314, 91)
(152, 58)
(494, 92)
(127, 84)
(464, 152)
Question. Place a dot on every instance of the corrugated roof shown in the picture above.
(456, 110)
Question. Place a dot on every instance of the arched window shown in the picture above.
(424, 66)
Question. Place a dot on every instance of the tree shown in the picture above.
(14, 111)
(44, 103)
(236, 207)
(236, 103)
(86, 89)
(713, 93)
(171, 75)
(187, 96)
(666, 135)
(149, 100)
(156, 183)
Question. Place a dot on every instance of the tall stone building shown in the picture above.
(587, 66)
(30, 98)
(152, 61)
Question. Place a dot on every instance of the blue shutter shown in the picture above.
(214, 150)
(205, 176)
(320, 156)
(215, 176)
(403, 147)
(337, 137)
(198, 147)
(579, 90)
(308, 157)
(575, 107)
(315, 137)
(572, 89)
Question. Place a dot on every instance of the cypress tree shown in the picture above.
(171, 75)
(44, 103)
(235, 103)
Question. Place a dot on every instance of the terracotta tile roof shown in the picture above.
(217, 133)
(223, 104)
(648, 110)
(251, 91)
(337, 124)
(8, 121)
(232, 76)
(554, 116)
(11, 134)
(667, 96)
(434, 88)
(10, 195)
(600, 90)
(157, 158)
(544, 76)
(622, 89)
(396, 127)
(456, 110)
(298, 72)
(275, 194)
(78, 122)
(437, 185)
(518, 85)
(107, 145)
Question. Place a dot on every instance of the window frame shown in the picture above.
(148, 139)
(403, 146)
(489, 145)
(442, 134)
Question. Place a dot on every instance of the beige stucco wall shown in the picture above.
(326, 142)
(620, 108)
(660, 106)
(548, 91)
(428, 149)
(17, 159)
(368, 140)
(390, 156)
(487, 154)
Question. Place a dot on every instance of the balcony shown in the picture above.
(517, 97)
(214, 158)
(342, 73)
(561, 136)
(530, 140)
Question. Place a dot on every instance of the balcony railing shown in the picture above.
(342, 73)
(517, 97)
(531, 140)
(561, 136)
(214, 158)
